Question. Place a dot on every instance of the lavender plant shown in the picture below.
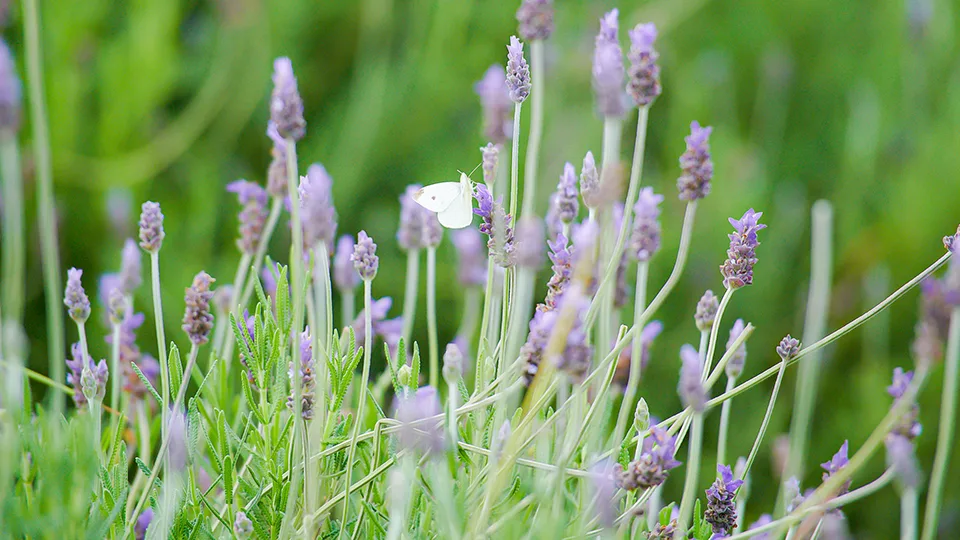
(276, 430)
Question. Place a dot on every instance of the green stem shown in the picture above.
(14, 253)
(364, 380)
(948, 413)
(724, 425)
(410, 290)
(766, 420)
(48, 220)
(348, 308)
(530, 163)
(636, 353)
(432, 316)
(161, 339)
(908, 513)
(714, 331)
(483, 344)
(515, 161)
(693, 473)
(814, 327)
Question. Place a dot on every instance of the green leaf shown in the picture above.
(117, 440)
(193, 429)
(251, 403)
(243, 339)
(393, 368)
(146, 383)
(222, 434)
(228, 479)
(143, 466)
(415, 367)
(176, 369)
(666, 513)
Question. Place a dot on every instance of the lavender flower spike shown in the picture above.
(131, 269)
(345, 278)
(706, 311)
(643, 83)
(143, 523)
(721, 512)
(691, 390)
(286, 107)
(496, 105)
(277, 170)
(496, 225)
(253, 216)
(530, 242)
(491, 154)
(307, 377)
(76, 300)
(197, 319)
(317, 214)
(645, 238)
(567, 205)
(696, 164)
(518, 72)
(837, 462)
(590, 182)
(10, 90)
(909, 425)
(536, 19)
(788, 348)
(75, 366)
(653, 466)
(608, 70)
(242, 526)
(738, 359)
(737, 270)
(365, 260)
(151, 227)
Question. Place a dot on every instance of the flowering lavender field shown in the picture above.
(566, 365)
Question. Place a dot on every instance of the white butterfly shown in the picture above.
(452, 201)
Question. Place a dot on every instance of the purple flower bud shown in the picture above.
(653, 466)
(143, 523)
(253, 216)
(286, 107)
(117, 306)
(788, 348)
(472, 268)
(645, 240)
(425, 436)
(764, 519)
(952, 242)
(496, 104)
(566, 203)
(93, 380)
(706, 311)
(663, 532)
(518, 72)
(365, 260)
(78, 305)
(75, 366)
(131, 269)
(902, 459)
(452, 363)
(277, 170)
(721, 512)
(345, 278)
(530, 242)
(197, 319)
(608, 71)
(837, 462)
(909, 425)
(696, 164)
(496, 225)
(691, 390)
(737, 270)
(317, 214)
(10, 99)
(151, 227)
(792, 494)
(644, 73)
(739, 357)
(590, 182)
(307, 377)
(561, 257)
(536, 19)
(242, 526)
(585, 240)
(937, 300)
(491, 155)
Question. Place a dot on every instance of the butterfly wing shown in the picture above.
(460, 212)
(438, 197)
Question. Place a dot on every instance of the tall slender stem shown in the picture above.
(161, 339)
(14, 253)
(362, 396)
(766, 419)
(115, 370)
(530, 162)
(693, 474)
(948, 414)
(908, 513)
(714, 331)
(410, 291)
(347, 308)
(724, 425)
(636, 355)
(515, 161)
(432, 316)
(612, 129)
(814, 327)
(48, 220)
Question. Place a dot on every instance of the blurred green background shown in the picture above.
(857, 103)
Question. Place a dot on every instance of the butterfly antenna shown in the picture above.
(475, 169)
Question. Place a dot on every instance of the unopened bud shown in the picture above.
(641, 417)
(403, 375)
